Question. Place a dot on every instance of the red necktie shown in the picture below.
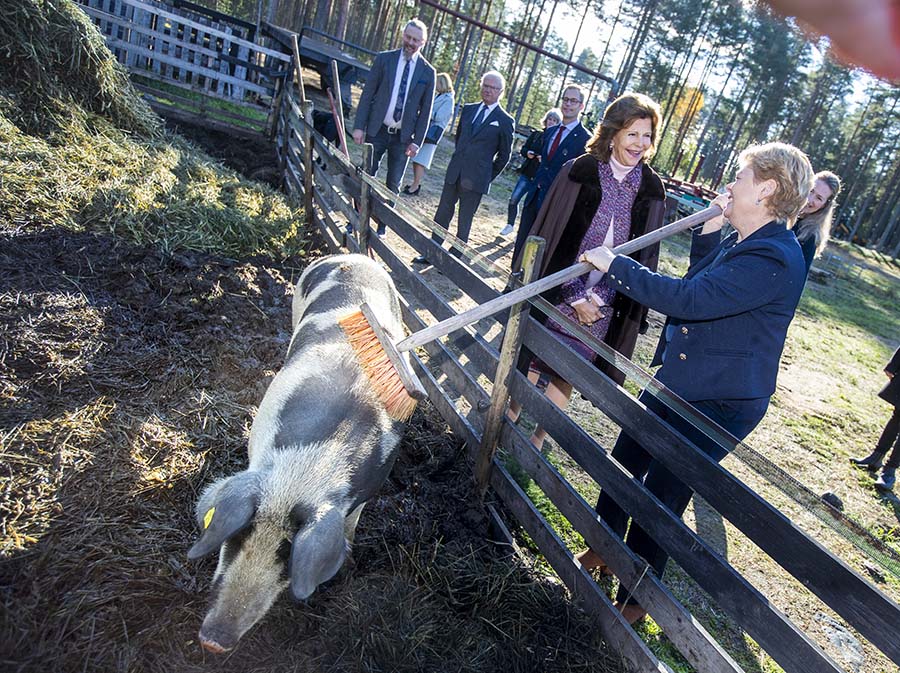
(555, 142)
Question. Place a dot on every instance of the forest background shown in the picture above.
(727, 73)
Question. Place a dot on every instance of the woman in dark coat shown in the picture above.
(891, 433)
(609, 195)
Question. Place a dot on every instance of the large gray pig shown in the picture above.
(321, 445)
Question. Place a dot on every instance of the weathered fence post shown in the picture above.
(509, 353)
(365, 201)
(308, 162)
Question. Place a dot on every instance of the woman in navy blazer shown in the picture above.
(727, 322)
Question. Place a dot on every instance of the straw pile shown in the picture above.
(130, 367)
(80, 149)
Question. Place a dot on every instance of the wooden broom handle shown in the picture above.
(535, 288)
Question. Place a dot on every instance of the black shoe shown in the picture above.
(420, 259)
(406, 190)
(870, 462)
(382, 232)
(886, 479)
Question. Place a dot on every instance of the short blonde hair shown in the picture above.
(791, 171)
(620, 114)
(443, 83)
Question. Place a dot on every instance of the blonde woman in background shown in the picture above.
(814, 224)
(441, 113)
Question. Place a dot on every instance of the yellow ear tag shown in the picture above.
(208, 517)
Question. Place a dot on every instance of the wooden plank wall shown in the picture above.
(459, 394)
(198, 51)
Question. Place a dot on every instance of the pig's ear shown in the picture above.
(225, 509)
(318, 552)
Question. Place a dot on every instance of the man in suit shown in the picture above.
(483, 144)
(395, 106)
(559, 144)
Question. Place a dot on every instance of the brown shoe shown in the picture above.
(631, 612)
(590, 560)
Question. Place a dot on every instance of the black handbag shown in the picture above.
(433, 135)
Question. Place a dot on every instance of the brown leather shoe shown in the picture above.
(590, 560)
(631, 612)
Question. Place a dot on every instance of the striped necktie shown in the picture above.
(401, 93)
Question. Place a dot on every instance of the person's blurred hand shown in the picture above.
(358, 136)
(864, 33)
(716, 223)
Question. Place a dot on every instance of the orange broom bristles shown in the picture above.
(377, 367)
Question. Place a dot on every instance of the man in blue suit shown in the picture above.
(560, 143)
(483, 144)
(395, 106)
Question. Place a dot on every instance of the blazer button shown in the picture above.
(682, 356)
(684, 330)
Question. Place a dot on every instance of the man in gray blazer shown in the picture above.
(395, 106)
(483, 143)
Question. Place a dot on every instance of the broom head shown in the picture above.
(395, 385)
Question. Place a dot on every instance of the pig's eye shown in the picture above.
(284, 551)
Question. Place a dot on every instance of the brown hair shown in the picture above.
(789, 168)
(620, 114)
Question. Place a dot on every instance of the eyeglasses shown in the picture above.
(571, 101)
(491, 88)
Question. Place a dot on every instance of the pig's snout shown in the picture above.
(217, 643)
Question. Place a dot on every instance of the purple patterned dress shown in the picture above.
(615, 206)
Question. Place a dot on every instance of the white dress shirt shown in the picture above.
(398, 75)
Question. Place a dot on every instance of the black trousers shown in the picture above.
(529, 215)
(468, 204)
(738, 417)
(890, 435)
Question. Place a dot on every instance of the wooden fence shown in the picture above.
(471, 397)
(469, 380)
(195, 64)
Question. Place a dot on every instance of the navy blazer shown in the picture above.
(728, 316)
(482, 153)
(570, 147)
(376, 96)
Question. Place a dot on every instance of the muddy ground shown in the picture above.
(129, 380)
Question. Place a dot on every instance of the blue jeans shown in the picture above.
(522, 189)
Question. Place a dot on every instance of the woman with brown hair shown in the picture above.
(607, 196)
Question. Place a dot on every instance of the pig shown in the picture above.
(320, 446)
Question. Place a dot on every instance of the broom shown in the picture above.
(398, 387)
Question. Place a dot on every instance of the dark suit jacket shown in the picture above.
(376, 96)
(570, 147)
(728, 316)
(480, 155)
(891, 391)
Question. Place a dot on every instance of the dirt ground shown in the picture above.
(129, 379)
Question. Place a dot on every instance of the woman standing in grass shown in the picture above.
(891, 433)
(727, 321)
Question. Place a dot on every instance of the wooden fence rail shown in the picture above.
(229, 75)
(468, 377)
